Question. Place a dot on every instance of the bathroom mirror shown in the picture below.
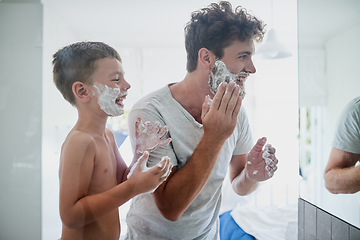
(328, 36)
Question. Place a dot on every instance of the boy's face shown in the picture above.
(110, 86)
(235, 65)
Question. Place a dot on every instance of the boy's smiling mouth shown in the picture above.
(121, 98)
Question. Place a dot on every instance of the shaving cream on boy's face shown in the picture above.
(220, 74)
(110, 99)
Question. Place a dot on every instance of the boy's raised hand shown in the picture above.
(148, 136)
(148, 179)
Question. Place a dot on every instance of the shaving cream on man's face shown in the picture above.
(110, 99)
(220, 74)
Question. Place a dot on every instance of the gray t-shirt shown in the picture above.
(200, 220)
(347, 137)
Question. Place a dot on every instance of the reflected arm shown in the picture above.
(341, 174)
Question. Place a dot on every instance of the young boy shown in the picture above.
(92, 173)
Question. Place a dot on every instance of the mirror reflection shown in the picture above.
(328, 90)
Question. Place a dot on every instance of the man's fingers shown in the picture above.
(219, 95)
(227, 97)
(233, 102)
(259, 144)
(272, 150)
(237, 107)
(205, 106)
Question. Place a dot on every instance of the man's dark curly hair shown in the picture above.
(216, 27)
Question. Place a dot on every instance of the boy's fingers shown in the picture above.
(164, 142)
(163, 131)
(165, 171)
(157, 169)
(137, 126)
(142, 160)
(168, 171)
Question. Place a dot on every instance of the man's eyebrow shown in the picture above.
(245, 52)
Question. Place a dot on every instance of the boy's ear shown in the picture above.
(206, 59)
(81, 92)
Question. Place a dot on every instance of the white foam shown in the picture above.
(144, 168)
(220, 74)
(107, 99)
(266, 156)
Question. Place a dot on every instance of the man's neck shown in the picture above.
(190, 94)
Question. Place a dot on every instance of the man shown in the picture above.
(342, 175)
(207, 136)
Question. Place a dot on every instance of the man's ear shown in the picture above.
(81, 92)
(206, 59)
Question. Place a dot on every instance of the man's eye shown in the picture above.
(116, 79)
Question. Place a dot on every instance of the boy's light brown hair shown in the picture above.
(77, 62)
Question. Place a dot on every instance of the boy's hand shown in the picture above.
(261, 164)
(148, 136)
(148, 179)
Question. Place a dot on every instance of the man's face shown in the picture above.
(110, 86)
(236, 65)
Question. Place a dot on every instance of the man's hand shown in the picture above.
(219, 116)
(261, 164)
(148, 136)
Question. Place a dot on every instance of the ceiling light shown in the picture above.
(272, 48)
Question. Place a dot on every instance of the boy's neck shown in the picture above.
(92, 123)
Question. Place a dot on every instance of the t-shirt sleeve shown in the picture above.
(148, 114)
(347, 136)
(244, 142)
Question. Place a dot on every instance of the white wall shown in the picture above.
(58, 118)
(20, 107)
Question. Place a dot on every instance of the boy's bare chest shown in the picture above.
(104, 170)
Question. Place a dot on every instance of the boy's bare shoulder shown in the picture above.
(109, 132)
(79, 147)
(77, 138)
